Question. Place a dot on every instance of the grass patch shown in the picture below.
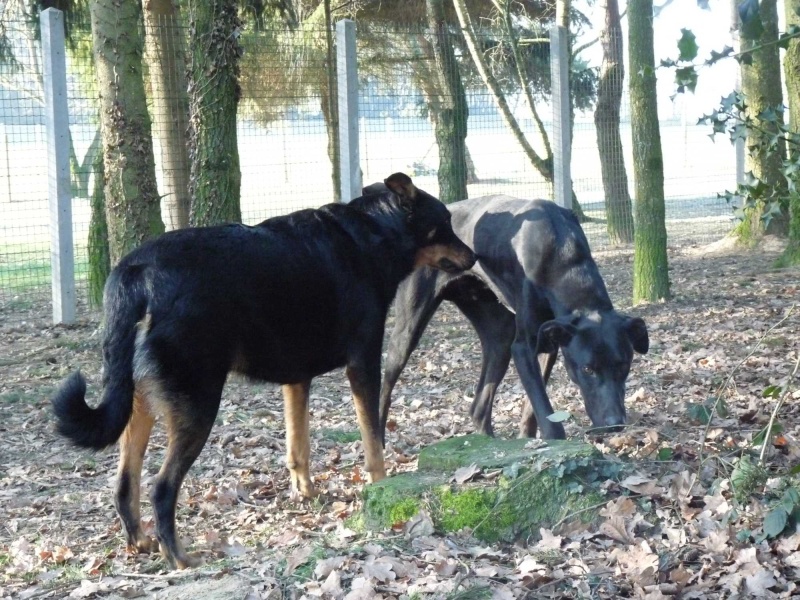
(341, 436)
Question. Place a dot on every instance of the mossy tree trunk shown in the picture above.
(650, 276)
(791, 65)
(132, 203)
(761, 85)
(166, 61)
(543, 164)
(450, 122)
(619, 213)
(215, 181)
(99, 259)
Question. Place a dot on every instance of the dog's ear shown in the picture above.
(637, 334)
(401, 184)
(554, 334)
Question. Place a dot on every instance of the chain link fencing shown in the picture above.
(285, 140)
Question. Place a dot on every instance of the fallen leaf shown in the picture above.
(464, 474)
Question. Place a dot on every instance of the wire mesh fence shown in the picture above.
(286, 136)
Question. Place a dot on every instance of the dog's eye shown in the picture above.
(431, 234)
(587, 369)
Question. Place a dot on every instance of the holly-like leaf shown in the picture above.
(775, 522)
(686, 78)
(687, 46)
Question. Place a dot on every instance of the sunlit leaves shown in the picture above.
(687, 45)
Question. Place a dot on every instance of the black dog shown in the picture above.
(534, 290)
(284, 301)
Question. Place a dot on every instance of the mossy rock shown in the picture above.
(539, 487)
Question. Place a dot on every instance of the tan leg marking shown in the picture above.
(298, 442)
(370, 440)
(133, 445)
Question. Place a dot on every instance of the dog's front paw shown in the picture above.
(143, 544)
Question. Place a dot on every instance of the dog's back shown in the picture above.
(533, 238)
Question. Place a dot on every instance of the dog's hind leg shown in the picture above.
(132, 446)
(415, 303)
(495, 326)
(298, 441)
(365, 381)
(189, 418)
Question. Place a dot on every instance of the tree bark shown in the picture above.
(131, 197)
(650, 276)
(761, 85)
(791, 65)
(166, 60)
(544, 165)
(215, 180)
(450, 124)
(97, 247)
(619, 213)
(330, 108)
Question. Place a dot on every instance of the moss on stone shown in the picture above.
(480, 509)
(540, 486)
(403, 510)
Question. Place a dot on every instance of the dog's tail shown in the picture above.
(97, 428)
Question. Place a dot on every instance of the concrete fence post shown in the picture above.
(62, 258)
(559, 73)
(346, 68)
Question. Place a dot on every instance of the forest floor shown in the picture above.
(691, 525)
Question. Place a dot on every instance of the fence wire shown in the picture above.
(285, 138)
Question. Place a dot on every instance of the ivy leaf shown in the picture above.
(686, 78)
(559, 416)
(717, 56)
(775, 522)
(687, 46)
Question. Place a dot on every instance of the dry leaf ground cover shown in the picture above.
(690, 524)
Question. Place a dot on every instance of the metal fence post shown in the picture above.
(559, 73)
(57, 125)
(350, 162)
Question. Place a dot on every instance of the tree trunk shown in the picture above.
(450, 124)
(97, 247)
(215, 181)
(131, 197)
(619, 214)
(761, 85)
(80, 171)
(543, 165)
(165, 55)
(791, 64)
(650, 276)
(330, 107)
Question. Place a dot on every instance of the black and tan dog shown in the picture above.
(284, 301)
(535, 290)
